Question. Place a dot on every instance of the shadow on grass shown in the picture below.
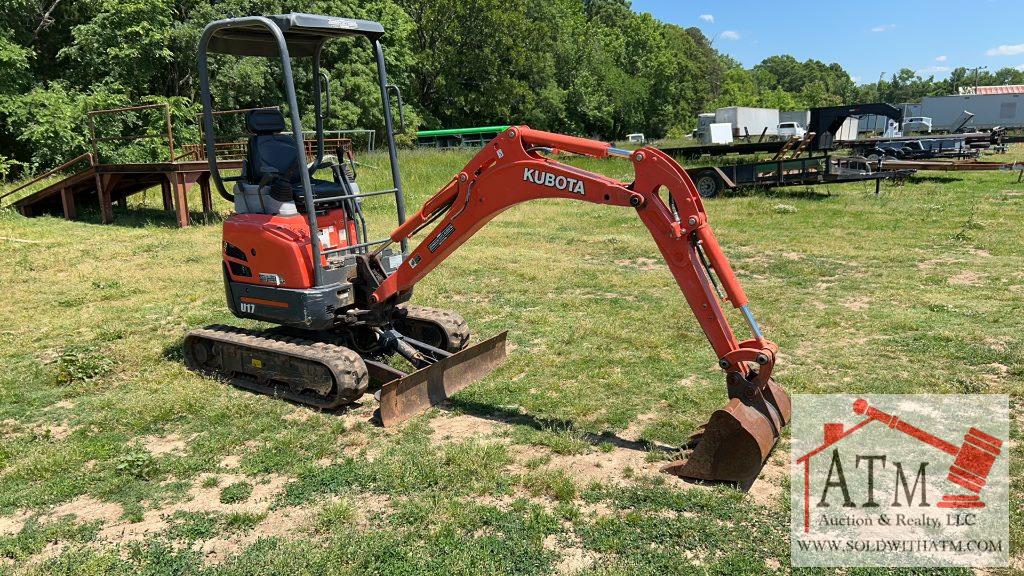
(915, 179)
(512, 417)
(794, 193)
(139, 217)
(516, 417)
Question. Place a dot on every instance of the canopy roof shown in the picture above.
(303, 33)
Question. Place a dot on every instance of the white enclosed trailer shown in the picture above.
(753, 121)
(990, 110)
(801, 117)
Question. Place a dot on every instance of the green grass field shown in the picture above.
(116, 459)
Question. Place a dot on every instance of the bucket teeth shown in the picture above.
(737, 439)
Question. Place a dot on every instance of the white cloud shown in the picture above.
(934, 70)
(883, 27)
(1021, 67)
(1006, 50)
(940, 58)
(856, 79)
(730, 35)
(707, 17)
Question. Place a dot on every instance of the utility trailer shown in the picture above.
(690, 152)
(945, 145)
(779, 172)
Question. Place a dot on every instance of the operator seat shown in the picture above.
(272, 156)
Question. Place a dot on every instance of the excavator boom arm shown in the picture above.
(510, 170)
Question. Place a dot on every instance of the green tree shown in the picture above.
(125, 45)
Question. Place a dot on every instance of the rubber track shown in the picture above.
(454, 325)
(346, 366)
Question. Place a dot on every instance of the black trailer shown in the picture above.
(815, 169)
(690, 152)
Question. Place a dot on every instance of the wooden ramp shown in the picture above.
(105, 184)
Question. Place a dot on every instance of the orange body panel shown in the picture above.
(280, 245)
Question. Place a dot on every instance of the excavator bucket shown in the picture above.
(737, 440)
(408, 396)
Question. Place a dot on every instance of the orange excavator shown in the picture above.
(296, 254)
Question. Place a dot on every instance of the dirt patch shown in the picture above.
(993, 374)
(457, 428)
(201, 499)
(794, 256)
(88, 509)
(574, 558)
(299, 415)
(856, 303)
(613, 467)
(767, 489)
(13, 524)
(279, 523)
(966, 278)
(159, 445)
(938, 263)
(996, 344)
(63, 405)
(596, 510)
(54, 431)
(230, 461)
(643, 264)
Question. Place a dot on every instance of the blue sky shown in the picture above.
(867, 37)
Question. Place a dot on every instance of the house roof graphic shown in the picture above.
(972, 463)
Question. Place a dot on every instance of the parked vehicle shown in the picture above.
(917, 124)
(636, 138)
(789, 130)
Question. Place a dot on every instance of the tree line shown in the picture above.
(589, 67)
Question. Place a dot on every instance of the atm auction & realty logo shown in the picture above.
(900, 480)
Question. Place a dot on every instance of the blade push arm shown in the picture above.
(510, 170)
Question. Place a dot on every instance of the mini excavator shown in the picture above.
(296, 254)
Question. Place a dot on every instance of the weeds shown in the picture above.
(236, 492)
(81, 364)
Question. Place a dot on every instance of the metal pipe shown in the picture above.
(170, 130)
(357, 246)
(755, 329)
(396, 176)
(293, 106)
(69, 163)
(360, 195)
(621, 152)
(318, 106)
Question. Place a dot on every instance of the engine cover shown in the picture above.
(275, 250)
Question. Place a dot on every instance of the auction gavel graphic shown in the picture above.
(972, 461)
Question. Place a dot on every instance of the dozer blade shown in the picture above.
(737, 439)
(404, 398)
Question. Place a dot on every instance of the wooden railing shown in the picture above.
(64, 166)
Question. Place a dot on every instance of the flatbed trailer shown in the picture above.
(950, 165)
(806, 171)
(690, 152)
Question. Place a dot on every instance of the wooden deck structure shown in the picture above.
(105, 184)
(88, 180)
